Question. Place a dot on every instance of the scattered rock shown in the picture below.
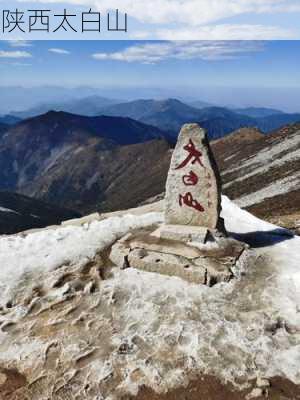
(125, 348)
(255, 393)
(262, 383)
(3, 378)
(81, 221)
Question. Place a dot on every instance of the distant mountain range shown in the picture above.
(88, 106)
(171, 114)
(83, 163)
(200, 104)
(120, 158)
(19, 213)
(168, 115)
(3, 127)
(9, 119)
(257, 112)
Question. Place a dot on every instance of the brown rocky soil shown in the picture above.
(210, 388)
(201, 388)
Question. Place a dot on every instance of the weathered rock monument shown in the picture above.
(193, 192)
(180, 246)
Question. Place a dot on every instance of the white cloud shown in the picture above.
(14, 54)
(191, 12)
(59, 51)
(19, 64)
(19, 43)
(151, 53)
(224, 32)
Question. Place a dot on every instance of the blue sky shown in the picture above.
(256, 71)
(241, 73)
(163, 64)
(185, 19)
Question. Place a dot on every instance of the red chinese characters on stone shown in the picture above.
(194, 155)
(189, 201)
(190, 179)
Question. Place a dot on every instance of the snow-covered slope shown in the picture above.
(262, 172)
(140, 328)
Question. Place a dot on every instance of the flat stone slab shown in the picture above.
(207, 264)
(166, 246)
(167, 264)
(182, 233)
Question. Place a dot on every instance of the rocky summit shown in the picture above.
(190, 244)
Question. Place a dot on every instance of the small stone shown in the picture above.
(125, 348)
(142, 253)
(118, 252)
(89, 288)
(95, 273)
(3, 378)
(256, 392)
(81, 221)
(262, 383)
(125, 264)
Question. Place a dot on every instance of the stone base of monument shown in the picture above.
(182, 233)
(186, 255)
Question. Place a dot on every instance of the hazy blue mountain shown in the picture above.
(19, 98)
(273, 122)
(144, 108)
(3, 126)
(169, 115)
(19, 213)
(257, 112)
(88, 106)
(9, 119)
(220, 127)
(200, 104)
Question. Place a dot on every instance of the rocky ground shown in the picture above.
(75, 326)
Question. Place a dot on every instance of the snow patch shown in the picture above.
(276, 188)
(4, 209)
(277, 162)
(47, 250)
(269, 157)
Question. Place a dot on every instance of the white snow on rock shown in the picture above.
(4, 209)
(270, 157)
(276, 188)
(247, 328)
(47, 250)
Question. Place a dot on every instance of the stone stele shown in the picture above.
(193, 190)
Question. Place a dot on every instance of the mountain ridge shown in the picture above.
(171, 114)
(19, 213)
(83, 162)
(88, 106)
